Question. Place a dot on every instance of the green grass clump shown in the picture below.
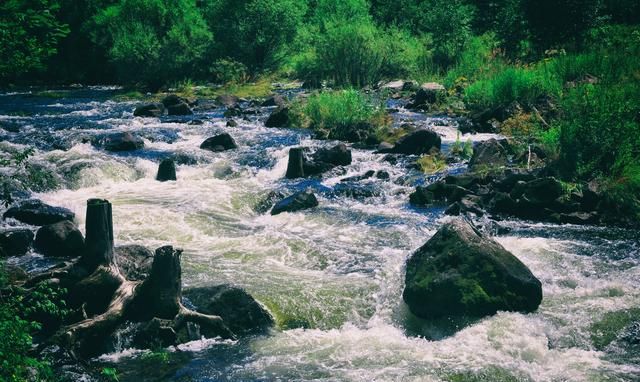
(605, 331)
(521, 84)
(431, 164)
(343, 115)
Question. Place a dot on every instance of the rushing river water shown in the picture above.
(333, 275)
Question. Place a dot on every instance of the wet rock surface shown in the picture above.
(461, 272)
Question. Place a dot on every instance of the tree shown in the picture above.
(153, 41)
(254, 32)
(29, 34)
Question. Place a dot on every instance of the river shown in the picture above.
(332, 275)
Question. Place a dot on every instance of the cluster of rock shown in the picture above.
(171, 104)
(517, 193)
(57, 235)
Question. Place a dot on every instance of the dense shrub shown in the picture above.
(153, 41)
(254, 32)
(343, 114)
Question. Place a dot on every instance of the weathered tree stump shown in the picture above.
(295, 166)
(107, 299)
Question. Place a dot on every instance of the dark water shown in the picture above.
(332, 276)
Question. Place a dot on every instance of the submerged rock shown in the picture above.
(62, 239)
(35, 212)
(296, 202)
(238, 309)
(461, 272)
(150, 110)
(16, 242)
(166, 170)
(220, 142)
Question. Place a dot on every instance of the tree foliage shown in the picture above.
(29, 34)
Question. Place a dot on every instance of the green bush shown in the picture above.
(343, 115)
(599, 132)
(29, 34)
(153, 41)
(16, 363)
(254, 32)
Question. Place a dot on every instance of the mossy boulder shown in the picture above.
(461, 272)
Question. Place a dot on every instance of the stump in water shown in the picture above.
(295, 167)
(107, 299)
(166, 171)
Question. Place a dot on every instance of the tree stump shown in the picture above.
(107, 299)
(295, 166)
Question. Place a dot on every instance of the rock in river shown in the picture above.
(220, 142)
(166, 170)
(35, 212)
(16, 242)
(461, 272)
(416, 143)
(123, 142)
(62, 239)
(278, 118)
(296, 202)
(238, 309)
(150, 110)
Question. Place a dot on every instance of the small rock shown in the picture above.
(275, 100)
(338, 155)
(150, 110)
(221, 142)
(227, 100)
(278, 118)
(123, 142)
(296, 202)
(134, 261)
(232, 123)
(491, 153)
(62, 239)
(240, 312)
(179, 109)
(16, 242)
(417, 143)
(35, 212)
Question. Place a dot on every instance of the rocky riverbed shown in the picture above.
(328, 277)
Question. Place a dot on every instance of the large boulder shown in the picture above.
(461, 272)
(417, 143)
(220, 142)
(338, 155)
(123, 142)
(16, 242)
(490, 153)
(134, 261)
(296, 202)
(35, 212)
(149, 110)
(62, 239)
(278, 118)
(238, 309)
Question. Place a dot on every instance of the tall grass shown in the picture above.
(343, 114)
